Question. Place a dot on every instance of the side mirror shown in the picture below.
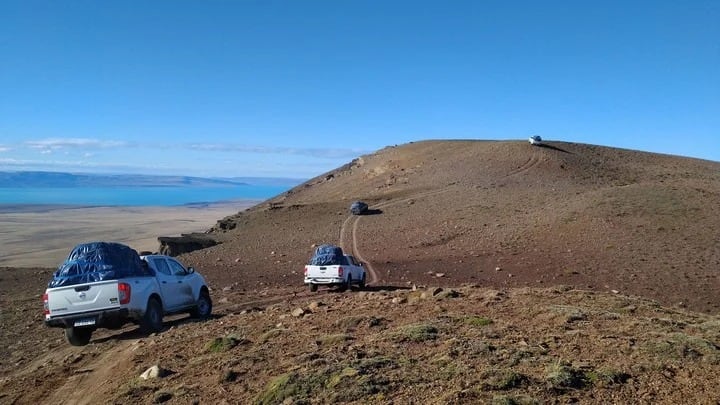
(191, 270)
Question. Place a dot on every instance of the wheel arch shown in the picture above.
(155, 296)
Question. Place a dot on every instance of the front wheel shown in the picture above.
(78, 336)
(203, 307)
(362, 282)
(152, 320)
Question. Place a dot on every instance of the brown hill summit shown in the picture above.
(499, 214)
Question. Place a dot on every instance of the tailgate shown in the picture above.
(322, 271)
(83, 298)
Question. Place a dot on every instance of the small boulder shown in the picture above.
(155, 372)
(298, 312)
(399, 300)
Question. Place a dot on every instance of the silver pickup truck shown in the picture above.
(107, 285)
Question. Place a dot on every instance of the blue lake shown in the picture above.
(136, 196)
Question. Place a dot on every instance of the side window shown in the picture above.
(177, 268)
(161, 266)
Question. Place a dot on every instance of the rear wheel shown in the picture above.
(203, 307)
(313, 287)
(152, 320)
(347, 285)
(78, 336)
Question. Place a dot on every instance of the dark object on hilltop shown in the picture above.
(327, 255)
(186, 243)
(98, 261)
(358, 208)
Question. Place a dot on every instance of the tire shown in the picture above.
(313, 287)
(362, 282)
(203, 307)
(347, 285)
(78, 336)
(152, 320)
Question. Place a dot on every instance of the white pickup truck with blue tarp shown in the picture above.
(329, 266)
(107, 285)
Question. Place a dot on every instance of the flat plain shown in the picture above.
(42, 235)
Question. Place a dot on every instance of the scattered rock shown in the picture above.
(399, 300)
(155, 372)
(162, 397)
(186, 243)
(237, 260)
(313, 306)
(439, 275)
(498, 269)
(436, 291)
(228, 288)
(298, 312)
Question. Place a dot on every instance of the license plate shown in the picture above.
(84, 322)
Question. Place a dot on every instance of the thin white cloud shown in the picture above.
(32, 164)
(73, 143)
(4, 149)
(330, 153)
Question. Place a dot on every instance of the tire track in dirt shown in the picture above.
(529, 164)
(86, 383)
(355, 219)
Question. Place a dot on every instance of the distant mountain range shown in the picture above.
(28, 179)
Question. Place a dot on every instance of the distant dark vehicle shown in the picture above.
(358, 208)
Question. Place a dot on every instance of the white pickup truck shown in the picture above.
(330, 267)
(106, 285)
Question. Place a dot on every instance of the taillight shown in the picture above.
(305, 271)
(124, 293)
(46, 306)
(340, 271)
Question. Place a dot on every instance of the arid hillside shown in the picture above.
(499, 214)
(499, 273)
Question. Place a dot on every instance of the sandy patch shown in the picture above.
(41, 236)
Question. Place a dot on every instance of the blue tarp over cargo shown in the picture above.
(98, 261)
(327, 255)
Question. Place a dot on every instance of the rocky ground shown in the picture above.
(470, 344)
(500, 273)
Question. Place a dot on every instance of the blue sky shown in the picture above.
(296, 88)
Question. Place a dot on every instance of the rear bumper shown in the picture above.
(103, 319)
(324, 280)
